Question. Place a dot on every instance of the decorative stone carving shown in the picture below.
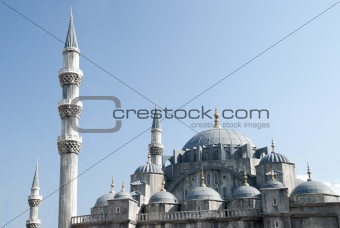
(33, 225)
(34, 202)
(69, 111)
(69, 146)
(154, 150)
(70, 78)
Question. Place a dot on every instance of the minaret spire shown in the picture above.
(69, 142)
(71, 38)
(156, 147)
(34, 200)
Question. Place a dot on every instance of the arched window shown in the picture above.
(206, 156)
(224, 192)
(208, 179)
(216, 155)
(185, 193)
(216, 178)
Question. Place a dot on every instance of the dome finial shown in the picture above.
(273, 145)
(112, 185)
(202, 179)
(163, 184)
(149, 157)
(217, 121)
(71, 15)
(308, 172)
(245, 176)
(123, 187)
(272, 174)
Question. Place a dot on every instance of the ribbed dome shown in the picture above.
(246, 192)
(217, 135)
(163, 197)
(203, 193)
(148, 168)
(274, 184)
(312, 187)
(103, 200)
(274, 157)
(123, 195)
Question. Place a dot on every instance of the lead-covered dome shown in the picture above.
(246, 191)
(272, 183)
(218, 135)
(123, 195)
(103, 200)
(274, 157)
(148, 168)
(312, 187)
(203, 193)
(163, 197)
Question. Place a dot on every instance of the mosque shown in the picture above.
(219, 179)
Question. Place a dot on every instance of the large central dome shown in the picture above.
(218, 135)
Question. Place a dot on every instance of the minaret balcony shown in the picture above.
(71, 70)
(70, 138)
(67, 108)
(33, 222)
(70, 76)
(69, 102)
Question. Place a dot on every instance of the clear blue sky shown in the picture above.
(172, 51)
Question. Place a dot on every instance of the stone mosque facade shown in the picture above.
(219, 179)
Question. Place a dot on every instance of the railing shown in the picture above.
(70, 137)
(71, 70)
(185, 215)
(173, 216)
(69, 102)
(88, 219)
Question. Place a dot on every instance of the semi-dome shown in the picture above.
(203, 193)
(163, 197)
(274, 157)
(148, 168)
(311, 187)
(218, 135)
(103, 200)
(274, 184)
(246, 191)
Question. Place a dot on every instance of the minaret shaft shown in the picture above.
(34, 200)
(69, 142)
(156, 147)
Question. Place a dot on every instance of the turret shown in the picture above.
(69, 142)
(34, 200)
(156, 147)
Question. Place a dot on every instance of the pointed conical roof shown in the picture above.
(155, 122)
(35, 184)
(71, 39)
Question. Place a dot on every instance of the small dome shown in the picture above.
(103, 200)
(148, 168)
(163, 197)
(203, 193)
(123, 195)
(312, 187)
(218, 135)
(246, 192)
(274, 157)
(272, 183)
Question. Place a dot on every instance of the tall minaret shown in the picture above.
(69, 142)
(34, 200)
(156, 147)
